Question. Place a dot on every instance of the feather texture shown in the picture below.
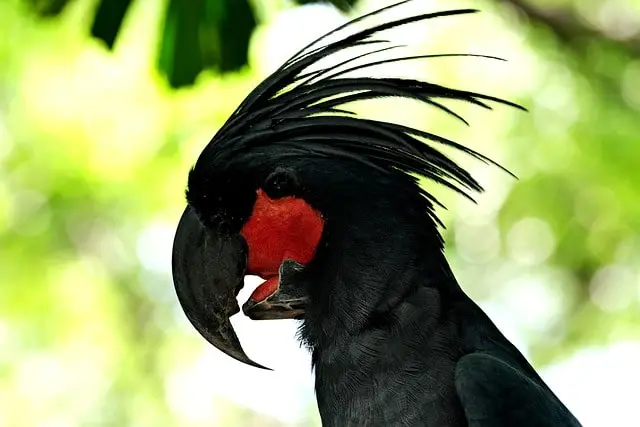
(296, 109)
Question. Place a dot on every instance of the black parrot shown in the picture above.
(327, 208)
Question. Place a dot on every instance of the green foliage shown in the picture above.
(203, 34)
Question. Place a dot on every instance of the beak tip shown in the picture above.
(255, 364)
(239, 354)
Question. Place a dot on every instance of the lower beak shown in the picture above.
(208, 273)
(287, 302)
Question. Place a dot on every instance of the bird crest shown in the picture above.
(300, 110)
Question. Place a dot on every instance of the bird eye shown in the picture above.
(280, 183)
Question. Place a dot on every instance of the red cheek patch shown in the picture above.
(279, 229)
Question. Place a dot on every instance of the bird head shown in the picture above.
(293, 173)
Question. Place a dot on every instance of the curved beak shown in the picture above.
(208, 273)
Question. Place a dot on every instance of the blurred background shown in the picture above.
(105, 104)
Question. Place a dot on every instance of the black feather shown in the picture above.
(296, 106)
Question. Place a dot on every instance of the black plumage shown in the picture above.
(394, 339)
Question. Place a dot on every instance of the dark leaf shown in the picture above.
(108, 20)
(203, 34)
(180, 56)
(236, 27)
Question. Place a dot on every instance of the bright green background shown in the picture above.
(94, 150)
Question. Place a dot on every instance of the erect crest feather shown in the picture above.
(298, 110)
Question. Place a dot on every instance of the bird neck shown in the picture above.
(380, 293)
(386, 319)
(366, 266)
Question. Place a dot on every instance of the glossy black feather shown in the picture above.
(297, 106)
(495, 393)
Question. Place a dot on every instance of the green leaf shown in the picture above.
(235, 34)
(180, 54)
(203, 34)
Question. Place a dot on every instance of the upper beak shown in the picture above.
(208, 273)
